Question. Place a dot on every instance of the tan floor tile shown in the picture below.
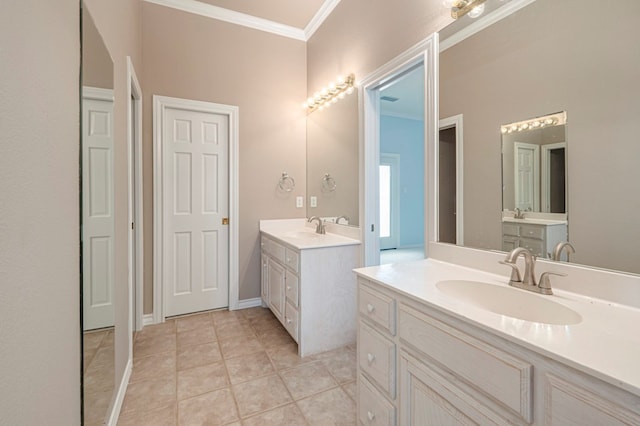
(99, 378)
(153, 366)
(213, 408)
(249, 367)
(166, 416)
(197, 355)
(87, 357)
(104, 356)
(350, 388)
(233, 328)
(307, 379)
(220, 317)
(264, 323)
(154, 345)
(200, 380)
(196, 336)
(96, 405)
(275, 338)
(150, 395)
(239, 345)
(258, 312)
(332, 407)
(193, 321)
(166, 328)
(108, 339)
(342, 364)
(93, 339)
(260, 395)
(287, 357)
(289, 415)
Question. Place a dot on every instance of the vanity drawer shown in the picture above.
(377, 358)
(532, 231)
(291, 320)
(377, 307)
(536, 247)
(510, 229)
(373, 408)
(291, 288)
(273, 249)
(292, 259)
(496, 374)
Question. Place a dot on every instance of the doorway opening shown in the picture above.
(450, 181)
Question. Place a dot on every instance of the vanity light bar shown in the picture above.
(474, 8)
(535, 123)
(330, 94)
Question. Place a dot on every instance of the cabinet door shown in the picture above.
(264, 280)
(276, 277)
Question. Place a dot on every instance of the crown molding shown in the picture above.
(322, 14)
(233, 17)
(249, 21)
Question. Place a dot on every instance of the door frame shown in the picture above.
(425, 52)
(160, 103)
(457, 123)
(545, 174)
(135, 209)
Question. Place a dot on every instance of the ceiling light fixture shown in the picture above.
(474, 8)
(330, 94)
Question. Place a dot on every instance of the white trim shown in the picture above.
(426, 52)
(447, 123)
(147, 320)
(112, 419)
(317, 20)
(482, 23)
(233, 112)
(250, 303)
(545, 188)
(97, 93)
(134, 91)
(233, 17)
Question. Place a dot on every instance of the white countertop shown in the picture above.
(535, 221)
(296, 233)
(606, 344)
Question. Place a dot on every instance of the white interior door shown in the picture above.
(97, 208)
(527, 176)
(195, 210)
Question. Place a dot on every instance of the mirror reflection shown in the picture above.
(572, 56)
(97, 224)
(332, 162)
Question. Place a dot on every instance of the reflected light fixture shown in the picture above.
(557, 119)
(331, 94)
(459, 8)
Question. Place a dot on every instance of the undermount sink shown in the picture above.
(510, 302)
(302, 234)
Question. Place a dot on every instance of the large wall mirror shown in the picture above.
(579, 59)
(97, 224)
(332, 162)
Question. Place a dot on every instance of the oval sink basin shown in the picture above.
(302, 234)
(510, 302)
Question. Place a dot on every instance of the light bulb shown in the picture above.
(349, 90)
(334, 100)
(310, 100)
(341, 95)
(476, 11)
(340, 80)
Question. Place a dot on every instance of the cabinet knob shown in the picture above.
(371, 358)
(371, 416)
(288, 259)
(288, 288)
(370, 308)
(288, 320)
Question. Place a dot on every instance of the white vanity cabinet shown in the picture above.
(311, 291)
(418, 365)
(539, 238)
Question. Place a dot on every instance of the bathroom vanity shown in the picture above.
(308, 283)
(433, 350)
(537, 235)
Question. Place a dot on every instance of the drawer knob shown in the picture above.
(288, 320)
(371, 416)
(371, 358)
(370, 308)
(288, 288)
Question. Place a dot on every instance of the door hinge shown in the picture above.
(225, 220)
(373, 228)
(131, 225)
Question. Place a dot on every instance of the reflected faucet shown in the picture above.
(320, 226)
(557, 250)
(346, 218)
(528, 282)
(518, 214)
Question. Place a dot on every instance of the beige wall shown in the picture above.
(548, 61)
(39, 213)
(97, 66)
(119, 23)
(193, 57)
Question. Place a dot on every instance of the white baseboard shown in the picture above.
(112, 420)
(250, 303)
(147, 320)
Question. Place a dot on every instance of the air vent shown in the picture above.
(388, 98)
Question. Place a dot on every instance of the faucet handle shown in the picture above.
(515, 272)
(545, 281)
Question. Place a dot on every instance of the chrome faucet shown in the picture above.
(528, 282)
(320, 226)
(557, 250)
(346, 218)
(518, 214)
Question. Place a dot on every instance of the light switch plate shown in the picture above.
(299, 201)
(313, 201)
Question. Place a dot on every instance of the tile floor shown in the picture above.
(235, 368)
(99, 372)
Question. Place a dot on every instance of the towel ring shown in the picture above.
(286, 182)
(328, 183)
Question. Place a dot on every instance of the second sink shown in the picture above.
(510, 302)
